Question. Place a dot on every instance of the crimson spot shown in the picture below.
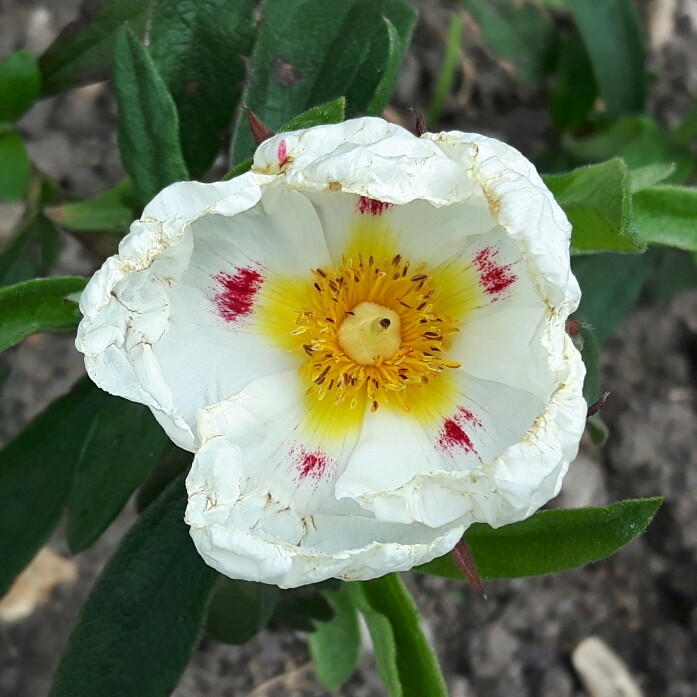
(469, 416)
(494, 276)
(371, 206)
(312, 465)
(236, 298)
(452, 436)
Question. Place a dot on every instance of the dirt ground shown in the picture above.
(519, 641)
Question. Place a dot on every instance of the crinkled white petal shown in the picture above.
(525, 208)
(153, 328)
(257, 512)
(498, 490)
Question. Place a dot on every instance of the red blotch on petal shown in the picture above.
(282, 154)
(370, 206)
(236, 298)
(494, 276)
(452, 436)
(313, 465)
(469, 416)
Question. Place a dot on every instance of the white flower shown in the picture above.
(363, 341)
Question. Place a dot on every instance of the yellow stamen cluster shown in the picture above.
(338, 368)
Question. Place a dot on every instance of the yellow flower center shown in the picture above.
(372, 325)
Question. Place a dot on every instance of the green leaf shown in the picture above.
(383, 638)
(336, 645)
(448, 71)
(171, 464)
(141, 623)
(83, 51)
(416, 663)
(198, 49)
(639, 141)
(49, 241)
(301, 608)
(243, 167)
(20, 83)
(675, 271)
(551, 541)
(15, 267)
(112, 211)
(650, 175)
(35, 247)
(148, 123)
(611, 31)
(38, 305)
(15, 171)
(120, 448)
(329, 112)
(686, 132)
(306, 53)
(610, 285)
(597, 201)
(396, 46)
(590, 353)
(574, 90)
(520, 33)
(667, 215)
(239, 609)
(36, 471)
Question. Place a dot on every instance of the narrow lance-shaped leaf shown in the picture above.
(15, 267)
(198, 49)
(120, 448)
(16, 168)
(306, 53)
(650, 175)
(36, 471)
(610, 285)
(598, 203)
(148, 123)
(396, 46)
(417, 667)
(522, 34)
(551, 541)
(141, 623)
(384, 641)
(20, 83)
(329, 112)
(38, 305)
(574, 90)
(639, 141)
(675, 271)
(112, 211)
(301, 608)
(448, 70)
(611, 31)
(83, 51)
(336, 645)
(239, 609)
(590, 353)
(667, 215)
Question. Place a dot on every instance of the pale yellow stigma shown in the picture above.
(371, 333)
